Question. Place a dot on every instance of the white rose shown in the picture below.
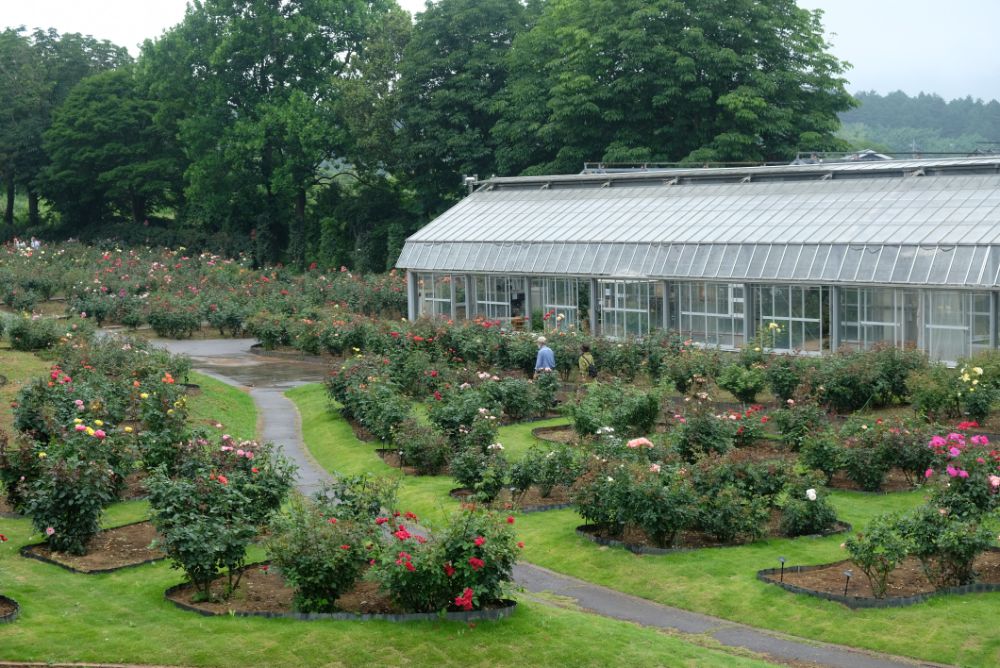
(811, 494)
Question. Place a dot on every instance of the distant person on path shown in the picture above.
(588, 369)
(35, 243)
(546, 359)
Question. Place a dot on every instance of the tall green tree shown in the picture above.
(61, 61)
(106, 154)
(261, 79)
(668, 80)
(452, 73)
(23, 87)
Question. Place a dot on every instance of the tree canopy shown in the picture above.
(328, 130)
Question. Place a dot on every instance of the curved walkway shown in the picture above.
(230, 361)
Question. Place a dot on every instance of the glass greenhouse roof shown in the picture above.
(884, 224)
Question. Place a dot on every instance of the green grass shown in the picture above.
(18, 368)
(718, 582)
(222, 403)
(517, 439)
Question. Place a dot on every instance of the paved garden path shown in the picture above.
(231, 361)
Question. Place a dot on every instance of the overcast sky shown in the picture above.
(946, 48)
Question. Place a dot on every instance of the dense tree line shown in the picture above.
(924, 123)
(329, 130)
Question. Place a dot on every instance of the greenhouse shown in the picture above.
(818, 256)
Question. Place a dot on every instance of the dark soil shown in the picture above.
(690, 540)
(391, 457)
(561, 434)
(263, 589)
(360, 432)
(907, 580)
(135, 486)
(6, 608)
(528, 501)
(113, 548)
(895, 481)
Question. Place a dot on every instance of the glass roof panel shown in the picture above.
(943, 259)
(901, 272)
(921, 265)
(886, 261)
(773, 261)
(869, 261)
(831, 268)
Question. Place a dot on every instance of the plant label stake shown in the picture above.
(782, 560)
(847, 573)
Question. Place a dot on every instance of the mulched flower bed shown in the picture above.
(110, 550)
(391, 457)
(361, 432)
(263, 592)
(907, 584)
(635, 540)
(561, 434)
(531, 501)
(9, 609)
(895, 481)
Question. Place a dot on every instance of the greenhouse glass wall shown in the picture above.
(816, 257)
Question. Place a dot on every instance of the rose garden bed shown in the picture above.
(530, 501)
(263, 592)
(637, 541)
(907, 584)
(110, 550)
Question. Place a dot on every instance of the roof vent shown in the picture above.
(546, 185)
(826, 177)
(918, 172)
(746, 179)
(606, 184)
(671, 182)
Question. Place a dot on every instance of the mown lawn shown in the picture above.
(720, 582)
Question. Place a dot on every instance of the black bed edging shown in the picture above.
(28, 554)
(859, 602)
(500, 612)
(11, 616)
(588, 531)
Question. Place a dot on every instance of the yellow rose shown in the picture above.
(90, 431)
(128, 430)
(144, 395)
(42, 455)
(99, 423)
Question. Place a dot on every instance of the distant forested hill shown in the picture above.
(898, 123)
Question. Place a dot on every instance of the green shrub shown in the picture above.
(210, 511)
(743, 383)
(422, 447)
(483, 470)
(806, 511)
(865, 456)
(67, 499)
(730, 515)
(466, 564)
(878, 551)
(946, 544)
(628, 410)
(783, 375)
(821, 451)
(359, 498)
(797, 420)
(321, 556)
(174, 320)
(661, 501)
(934, 392)
(31, 334)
